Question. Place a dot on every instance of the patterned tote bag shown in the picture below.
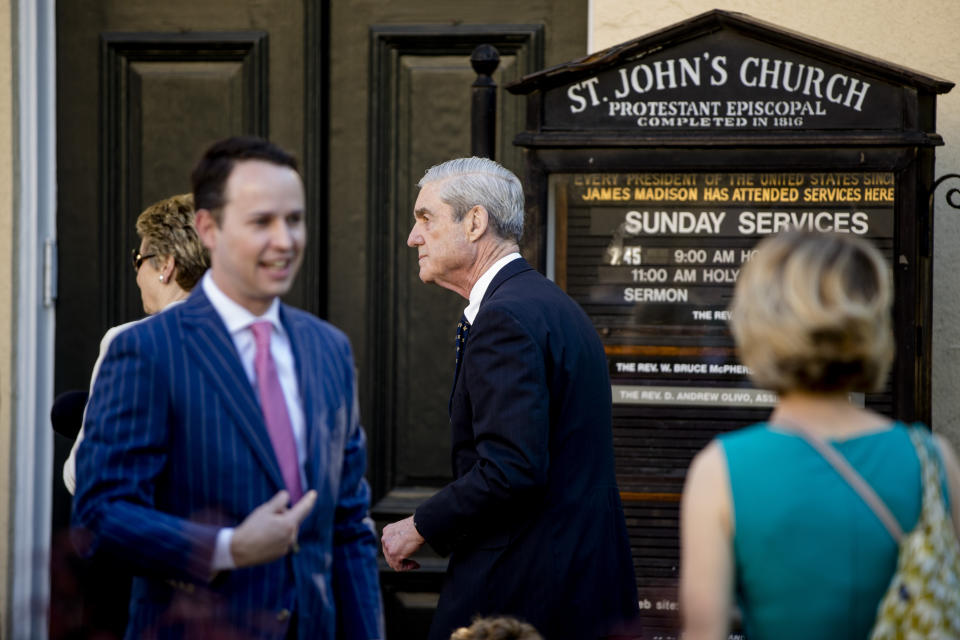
(923, 599)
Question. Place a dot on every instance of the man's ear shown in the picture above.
(206, 228)
(479, 220)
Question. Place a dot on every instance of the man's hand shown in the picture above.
(400, 541)
(270, 530)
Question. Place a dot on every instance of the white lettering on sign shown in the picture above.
(770, 73)
(682, 368)
(697, 108)
(643, 294)
(676, 222)
(807, 89)
(718, 275)
(726, 369)
(774, 108)
(580, 103)
(697, 396)
(769, 222)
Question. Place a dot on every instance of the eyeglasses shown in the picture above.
(138, 259)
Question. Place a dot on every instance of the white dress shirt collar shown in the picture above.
(235, 316)
(480, 288)
(238, 321)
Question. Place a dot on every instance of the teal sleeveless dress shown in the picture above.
(811, 559)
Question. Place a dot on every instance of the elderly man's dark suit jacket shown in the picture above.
(533, 518)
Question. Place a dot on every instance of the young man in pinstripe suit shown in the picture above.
(224, 457)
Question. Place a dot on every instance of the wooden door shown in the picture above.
(400, 102)
(143, 87)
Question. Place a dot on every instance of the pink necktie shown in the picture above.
(275, 409)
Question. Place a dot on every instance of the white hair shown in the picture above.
(468, 182)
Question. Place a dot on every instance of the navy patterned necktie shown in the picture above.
(463, 329)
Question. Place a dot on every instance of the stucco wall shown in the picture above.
(919, 35)
(7, 260)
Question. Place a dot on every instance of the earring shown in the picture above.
(161, 278)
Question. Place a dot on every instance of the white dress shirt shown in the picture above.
(480, 287)
(238, 320)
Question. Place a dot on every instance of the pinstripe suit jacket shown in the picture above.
(177, 448)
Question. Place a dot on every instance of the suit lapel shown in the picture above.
(211, 347)
(509, 270)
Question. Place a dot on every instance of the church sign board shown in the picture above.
(725, 81)
(655, 166)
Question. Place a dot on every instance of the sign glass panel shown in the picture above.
(653, 259)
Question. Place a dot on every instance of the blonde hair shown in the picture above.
(811, 312)
(168, 228)
(499, 628)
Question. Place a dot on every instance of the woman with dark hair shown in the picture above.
(169, 262)
(765, 517)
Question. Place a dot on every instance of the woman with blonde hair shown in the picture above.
(765, 518)
(497, 628)
(168, 264)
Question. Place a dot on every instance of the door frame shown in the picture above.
(34, 275)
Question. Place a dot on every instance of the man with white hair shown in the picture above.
(533, 518)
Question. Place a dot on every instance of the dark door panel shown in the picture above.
(143, 87)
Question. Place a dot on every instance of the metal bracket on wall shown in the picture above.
(952, 196)
(49, 272)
